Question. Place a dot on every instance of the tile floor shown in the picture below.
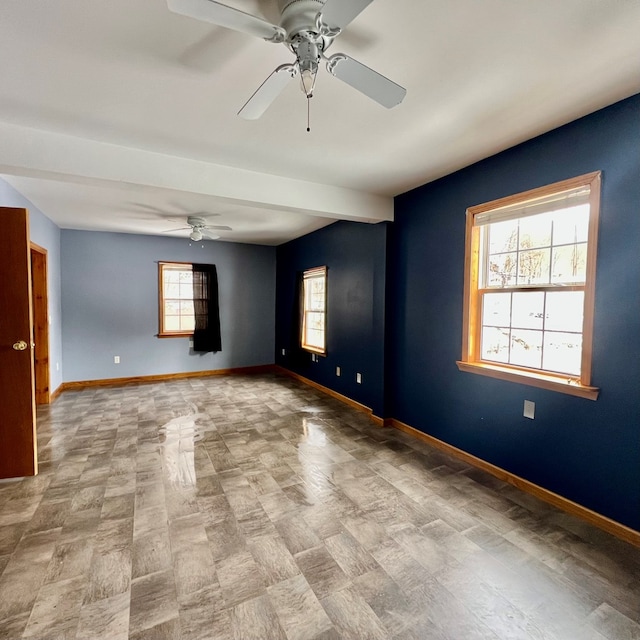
(255, 507)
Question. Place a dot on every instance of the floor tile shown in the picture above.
(321, 571)
(106, 618)
(353, 617)
(298, 609)
(255, 619)
(240, 578)
(56, 610)
(153, 601)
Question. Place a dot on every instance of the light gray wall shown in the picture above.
(47, 235)
(110, 305)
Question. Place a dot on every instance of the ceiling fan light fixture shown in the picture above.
(196, 235)
(308, 58)
(308, 81)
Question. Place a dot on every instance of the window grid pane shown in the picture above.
(314, 329)
(539, 330)
(544, 249)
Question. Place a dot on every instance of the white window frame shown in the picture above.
(308, 277)
(471, 360)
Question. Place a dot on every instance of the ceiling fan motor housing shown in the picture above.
(299, 16)
(196, 221)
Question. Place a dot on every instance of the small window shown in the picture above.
(176, 299)
(314, 310)
(529, 286)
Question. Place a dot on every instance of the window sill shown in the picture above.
(551, 383)
(318, 352)
(175, 335)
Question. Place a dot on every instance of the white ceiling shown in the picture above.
(121, 116)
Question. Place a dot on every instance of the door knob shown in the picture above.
(21, 345)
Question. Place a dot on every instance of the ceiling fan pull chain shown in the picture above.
(308, 109)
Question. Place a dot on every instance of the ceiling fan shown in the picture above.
(307, 28)
(200, 229)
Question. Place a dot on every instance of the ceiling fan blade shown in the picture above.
(180, 229)
(217, 48)
(358, 38)
(218, 227)
(267, 92)
(337, 14)
(366, 80)
(224, 16)
(208, 234)
(146, 207)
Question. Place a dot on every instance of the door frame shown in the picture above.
(40, 323)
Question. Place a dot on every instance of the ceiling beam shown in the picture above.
(45, 154)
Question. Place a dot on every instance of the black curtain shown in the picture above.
(297, 356)
(206, 335)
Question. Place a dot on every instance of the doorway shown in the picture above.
(40, 334)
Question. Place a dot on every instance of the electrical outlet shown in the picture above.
(116, 359)
(529, 409)
(359, 378)
(337, 371)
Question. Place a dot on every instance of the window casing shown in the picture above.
(314, 310)
(175, 296)
(529, 286)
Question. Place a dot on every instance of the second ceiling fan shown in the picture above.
(307, 28)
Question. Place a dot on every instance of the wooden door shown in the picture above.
(18, 451)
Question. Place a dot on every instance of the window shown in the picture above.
(177, 317)
(314, 310)
(529, 286)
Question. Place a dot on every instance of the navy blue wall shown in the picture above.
(586, 451)
(355, 255)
